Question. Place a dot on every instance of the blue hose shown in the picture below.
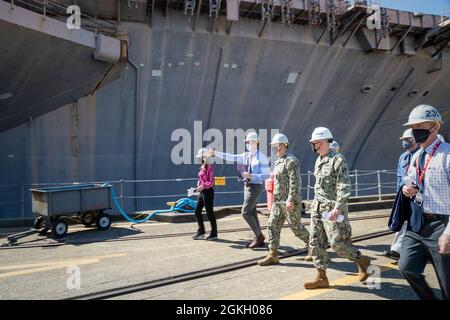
(127, 217)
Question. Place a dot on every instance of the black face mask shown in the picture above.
(421, 135)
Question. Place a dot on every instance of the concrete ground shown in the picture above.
(145, 254)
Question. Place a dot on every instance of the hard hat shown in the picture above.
(201, 153)
(252, 136)
(441, 137)
(334, 145)
(321, 133)
(279, 138)
(423, 113)
(407, 134)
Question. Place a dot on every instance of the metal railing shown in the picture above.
(364, 182)
(58, 9)
(361, 184)
(445, 13)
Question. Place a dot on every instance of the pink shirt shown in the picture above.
(206, 177)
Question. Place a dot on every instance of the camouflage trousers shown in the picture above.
(338, 235)
(278, 215)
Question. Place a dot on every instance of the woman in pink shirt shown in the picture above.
(206, 197)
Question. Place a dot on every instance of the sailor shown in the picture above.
(404, 162)
(286, 199)
(430, 169)
(332, 190)
(255, 173)
(334, 146)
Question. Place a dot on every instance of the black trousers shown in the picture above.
(206, 199)
(417, 249)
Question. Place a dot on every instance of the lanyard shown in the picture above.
(421, 175)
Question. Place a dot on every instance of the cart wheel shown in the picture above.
(103, 221)
(59, 228)
(88, 218)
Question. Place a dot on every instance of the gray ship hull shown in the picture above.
(281, 81)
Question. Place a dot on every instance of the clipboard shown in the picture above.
(241, 168)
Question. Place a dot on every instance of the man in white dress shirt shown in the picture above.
(430, 169)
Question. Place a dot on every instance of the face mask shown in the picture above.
(421, 135)
(276, 149)
(252, 148)
(407, 144)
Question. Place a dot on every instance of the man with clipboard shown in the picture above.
(253, 168)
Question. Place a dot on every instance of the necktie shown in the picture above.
(422, 155)
(408, 158)
(250, 163)
(408, 161)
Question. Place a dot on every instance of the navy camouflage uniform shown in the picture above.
(332, 190)
(287, 184)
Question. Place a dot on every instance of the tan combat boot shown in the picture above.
(272, 258)
(321, 280)
(363, 262)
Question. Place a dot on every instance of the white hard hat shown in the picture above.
(407, 134)
(201, 153)
(423, 113)
(252, 136)
(334, 145)
(321, 133)
(279, 138)
(441, 137)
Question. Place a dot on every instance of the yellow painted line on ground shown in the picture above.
(52, 265)
(46, 268)
(30, 265)
(48, 263)
(307, 294)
